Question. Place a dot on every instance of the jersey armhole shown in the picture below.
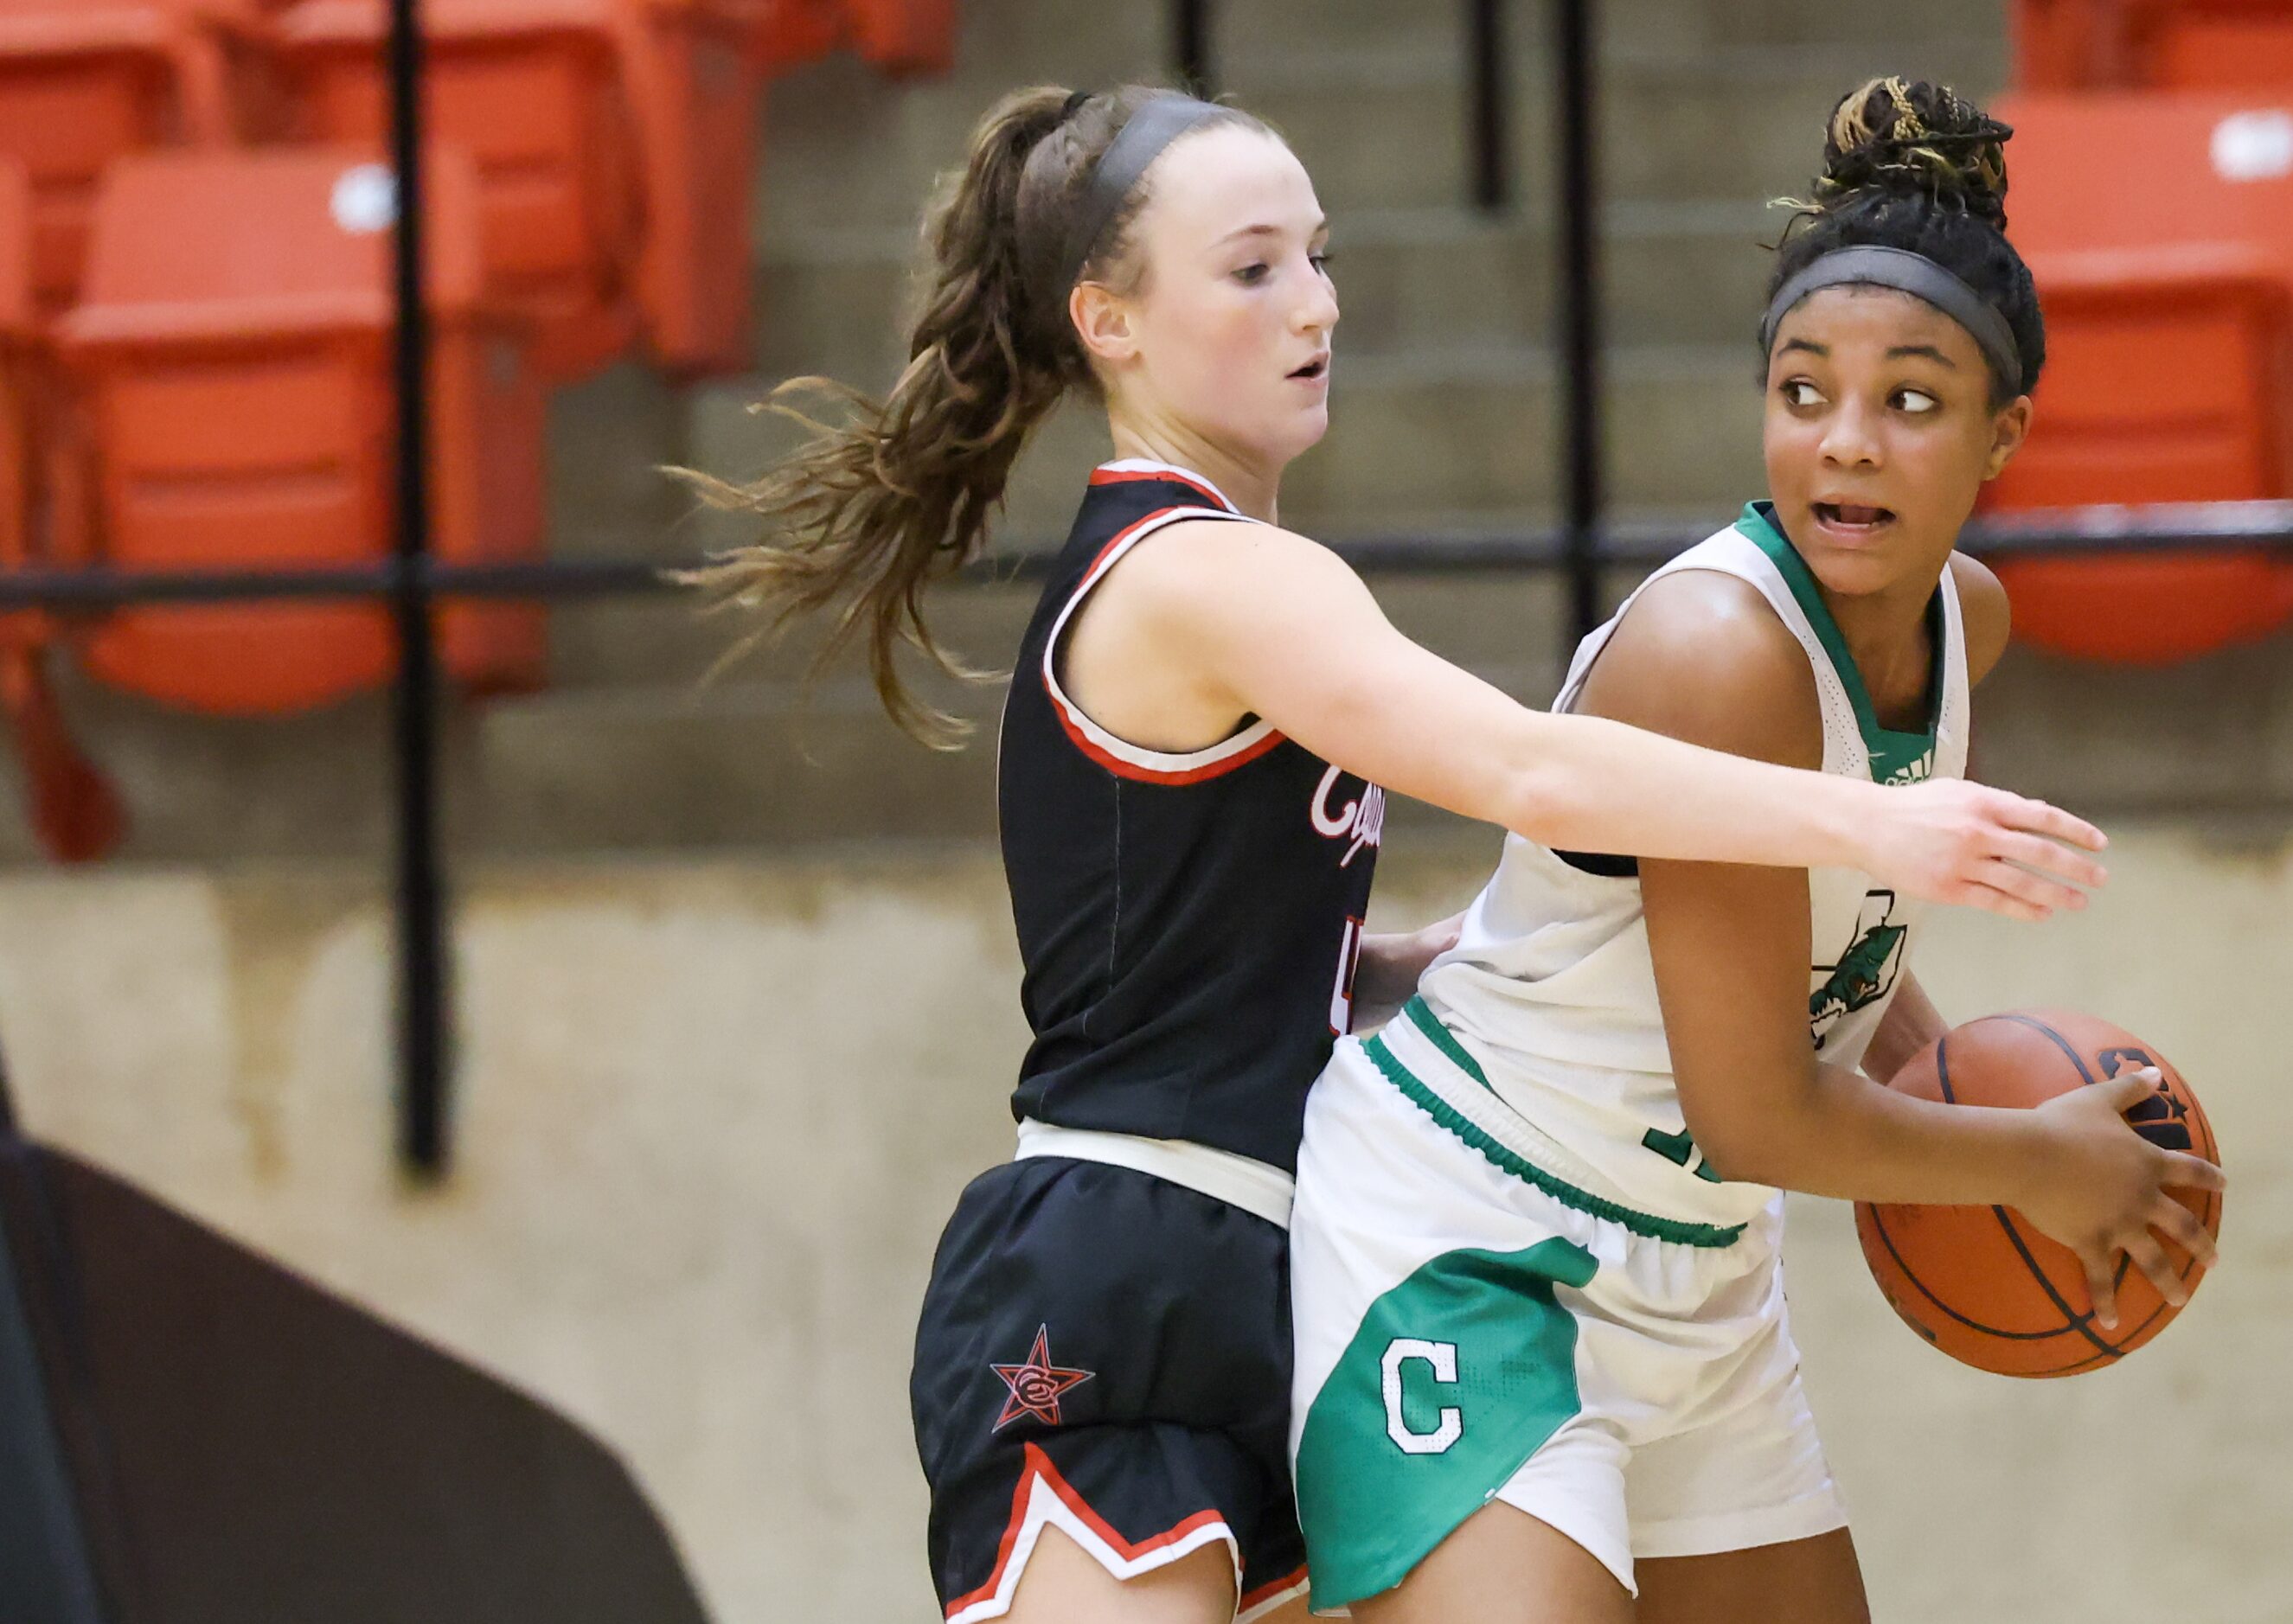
(1118, 756)
(1602, 864)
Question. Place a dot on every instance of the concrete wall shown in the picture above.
(714, 1113)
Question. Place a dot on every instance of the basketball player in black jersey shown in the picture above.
(1201, 714)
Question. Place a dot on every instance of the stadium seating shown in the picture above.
(73, 808)
(2170, 356)
(229, 378)
(784, 34)
(898, 36)
(2166, 45)
(85, 82)
(905, 36)
(613, 139)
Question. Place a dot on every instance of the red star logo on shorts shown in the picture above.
(1036, 1384)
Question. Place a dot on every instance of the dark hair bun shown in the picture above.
(1897, 136)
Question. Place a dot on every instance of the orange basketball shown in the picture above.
(1981, 1282)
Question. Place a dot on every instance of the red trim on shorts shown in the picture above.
(1266, 1593)
(1039, 1465)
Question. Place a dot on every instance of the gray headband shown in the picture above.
(1139, 143)
(1871, 266)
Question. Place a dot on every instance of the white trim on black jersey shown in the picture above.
(1118, 755)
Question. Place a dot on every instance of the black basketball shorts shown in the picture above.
(1108, 1353)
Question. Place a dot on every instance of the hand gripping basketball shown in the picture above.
(2103, 1191)
(2115, 1223)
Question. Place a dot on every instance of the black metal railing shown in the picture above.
(1583, 545)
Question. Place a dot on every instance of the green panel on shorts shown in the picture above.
(1454, 1379)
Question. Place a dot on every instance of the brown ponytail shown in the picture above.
(869, 513)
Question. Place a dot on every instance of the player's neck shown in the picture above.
(1251, 488)
(1886, 634)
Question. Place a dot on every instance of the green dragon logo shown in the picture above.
(1865, 973)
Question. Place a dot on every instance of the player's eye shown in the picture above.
(1321, 261)
(1252, 274)
(1916, 401)
(1800, 393)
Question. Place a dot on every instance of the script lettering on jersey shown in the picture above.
(1360, 820)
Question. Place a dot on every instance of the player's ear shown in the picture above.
(1102, 320)
(2009, 428)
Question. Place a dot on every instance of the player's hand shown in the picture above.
(2100, 1189)
(1387, 972)
(1951, 841)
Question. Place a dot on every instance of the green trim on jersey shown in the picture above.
(1452, 1380)
(1448, 1116)
(1421, 1016)
(1896, 755)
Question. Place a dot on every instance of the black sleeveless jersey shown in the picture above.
(1189, 923)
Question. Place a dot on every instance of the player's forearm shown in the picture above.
(1586, 784)
(1847, 1137)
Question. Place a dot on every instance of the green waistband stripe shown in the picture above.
(1432, 1104)
(1421, 1016)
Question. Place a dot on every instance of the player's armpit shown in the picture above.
(1912, 1022)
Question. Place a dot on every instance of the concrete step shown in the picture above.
(1407, 280)
(759, 763)
(1382, 127)
(1451, 431)
(666, 646)
(735, 765)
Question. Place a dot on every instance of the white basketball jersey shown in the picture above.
(1551, 987)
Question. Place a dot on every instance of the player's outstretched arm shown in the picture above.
(1289, 632)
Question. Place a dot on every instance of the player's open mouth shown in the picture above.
(1851, 519)
(1314, 368)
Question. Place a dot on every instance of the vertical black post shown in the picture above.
(1488, 78)
(1190, 46)
(423, 1050)
(1579, 284)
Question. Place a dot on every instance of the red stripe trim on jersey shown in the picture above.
(1038, 1468)
(1271, 739)
(1226, 756)
(1125, 476)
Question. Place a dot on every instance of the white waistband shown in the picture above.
(1238, 1181)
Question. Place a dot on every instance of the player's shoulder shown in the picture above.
(1702, 655)
(1711, 623)
(1985, 611)
(1194, 563)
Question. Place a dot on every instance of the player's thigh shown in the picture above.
(1814, 1581)
(1065, 1584)
(1503, 1566)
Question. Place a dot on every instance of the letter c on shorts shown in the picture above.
(1443, 1357)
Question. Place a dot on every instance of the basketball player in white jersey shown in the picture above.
(1543, 1371)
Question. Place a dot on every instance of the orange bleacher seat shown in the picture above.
(615, 141)
(899, 36)
(784, 34)
(73, 807)
(905, 36)
(229, 373)
(2214, 44)
(85, 82)
(2157, 44)
(2159, 232)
